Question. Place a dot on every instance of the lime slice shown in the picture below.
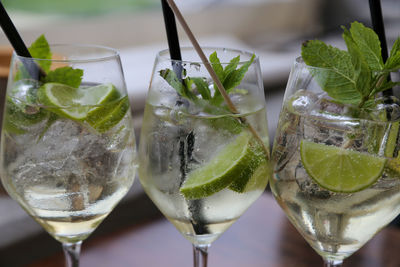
(248, 174)
(105, 117)
(75, 103)
(224, 168)
(338, 169)
(258, 179)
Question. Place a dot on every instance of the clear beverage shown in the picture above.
(203, 152)
(67, 141)
(64, 173)
(335, 224)
(168, 131)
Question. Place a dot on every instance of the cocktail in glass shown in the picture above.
(336, 167)
(202, 165)
(68, 146)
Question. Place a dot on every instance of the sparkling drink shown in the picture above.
(335, 224)
(204, 156)
(68, 152)
(202, 220)
(66, 174)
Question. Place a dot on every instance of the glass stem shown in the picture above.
(72, 252)
(332, 263)
(200, 255)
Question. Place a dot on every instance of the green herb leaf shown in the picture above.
(235, 77)
(361, 69)
(386, 86)
(396, 47)
(41, 49)
(230, 76)
(356, 76)
(232, 66)
(65, 75)
(202, 87)
(368, 42)
(216, 64)
(393, 62)
(178, 85)
(337, 74)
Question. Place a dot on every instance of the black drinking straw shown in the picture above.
(377, 23)
(172, 37)
(18, 44)
(186, 142)
(378, 26)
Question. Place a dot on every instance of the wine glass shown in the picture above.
(202, 165)
(68, 146)
(336, 170)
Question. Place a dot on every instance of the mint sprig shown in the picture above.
(20, 114)
(357, 75)
(197, 89)
(40, 49)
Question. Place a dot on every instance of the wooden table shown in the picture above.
(261, 237)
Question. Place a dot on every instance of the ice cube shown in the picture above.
(308, 186)
(25, 90)
(303, 101)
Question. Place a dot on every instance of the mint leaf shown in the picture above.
(230, 76)
(337, 74)
(235, 77)
(179, 85)
(65, 75)
(368, 42)
(216, 64)
(231, 66)
(202, 87)
(226, 74)
(357, 75)
(361, 69)
(41, 49)
(396, 47)
(393, 62)
(386, 86)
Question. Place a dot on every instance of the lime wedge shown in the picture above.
(75, 103)
(105, 117)
(100, 106)
(224, 168)
(257, 180)
(338, 169)
(249, 174)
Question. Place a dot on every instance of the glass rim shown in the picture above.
(113, 54)
(165, 56)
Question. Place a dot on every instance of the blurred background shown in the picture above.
(274, 29)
